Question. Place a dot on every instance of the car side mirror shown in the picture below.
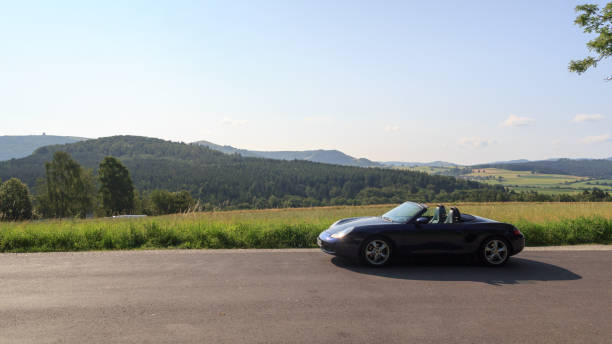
(422, 220)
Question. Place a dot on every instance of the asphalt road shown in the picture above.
(302, 296)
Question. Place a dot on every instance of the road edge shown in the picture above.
(593, 247)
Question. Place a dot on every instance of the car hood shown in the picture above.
(355, 222)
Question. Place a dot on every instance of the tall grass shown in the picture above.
(582, 230)
(542, 223)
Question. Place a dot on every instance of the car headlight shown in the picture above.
(342, 233)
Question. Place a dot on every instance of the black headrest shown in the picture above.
(441, 210)
(456, 214)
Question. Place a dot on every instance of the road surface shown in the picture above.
(302, 296)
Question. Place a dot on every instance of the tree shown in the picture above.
(68, 189)
(116, 188)
(15, 201)
(594, 20)
(166, 202)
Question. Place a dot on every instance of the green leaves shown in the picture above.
(594, 20)
(166, 202)
(581, 66)
(116, 188)
(68, 188)
(15, 201)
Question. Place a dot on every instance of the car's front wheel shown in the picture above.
(376, 252)
(494, 251)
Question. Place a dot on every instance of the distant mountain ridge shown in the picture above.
(324, 156)
(223, 180)
(15, 147)
(580, 166)
(416, 164)
(334, 157)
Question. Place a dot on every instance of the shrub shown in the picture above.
(15, 201)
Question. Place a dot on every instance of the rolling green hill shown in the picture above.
(235, 181)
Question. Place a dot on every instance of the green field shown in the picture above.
(603, 184)
(542, 223)
(551, 184)
(542, 183)
(521, 178)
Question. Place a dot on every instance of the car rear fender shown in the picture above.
(484, 231)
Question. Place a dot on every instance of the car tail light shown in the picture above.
(516, 231)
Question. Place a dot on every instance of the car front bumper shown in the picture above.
(327, 243)
(338, 247)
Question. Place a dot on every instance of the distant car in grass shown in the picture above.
(405, 231)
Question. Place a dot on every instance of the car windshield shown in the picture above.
(403, 212)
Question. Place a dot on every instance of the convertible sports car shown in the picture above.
(405, 231)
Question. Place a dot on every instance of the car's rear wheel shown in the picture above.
(494, 251)
(377, 251)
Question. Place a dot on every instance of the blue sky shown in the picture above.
(467, 82)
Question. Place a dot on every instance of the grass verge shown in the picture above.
(286, 228)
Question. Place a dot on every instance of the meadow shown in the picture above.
(550, 184)
(528, 181)
(542, 223)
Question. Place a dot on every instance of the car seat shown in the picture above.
(451, 216)
(454, 216)
(439, 215)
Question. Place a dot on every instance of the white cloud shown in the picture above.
(392, 128)
(581, 118)
(597, 138)
(555, 142)
(476, 142)
(516, 121)
(233, 122)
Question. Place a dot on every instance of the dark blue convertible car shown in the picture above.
(405, 230)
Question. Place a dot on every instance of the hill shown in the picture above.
(594, 168)
(13, 147)
(334, 157)
(219, 179)
(418, 164)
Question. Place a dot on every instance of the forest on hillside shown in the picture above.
(233, 181)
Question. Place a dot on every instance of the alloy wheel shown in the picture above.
(495, 252)
(377, 252)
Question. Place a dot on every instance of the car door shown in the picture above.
(433, 238)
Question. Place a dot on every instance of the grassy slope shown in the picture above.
(594, 168)
(527, 181)
(542, 223)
